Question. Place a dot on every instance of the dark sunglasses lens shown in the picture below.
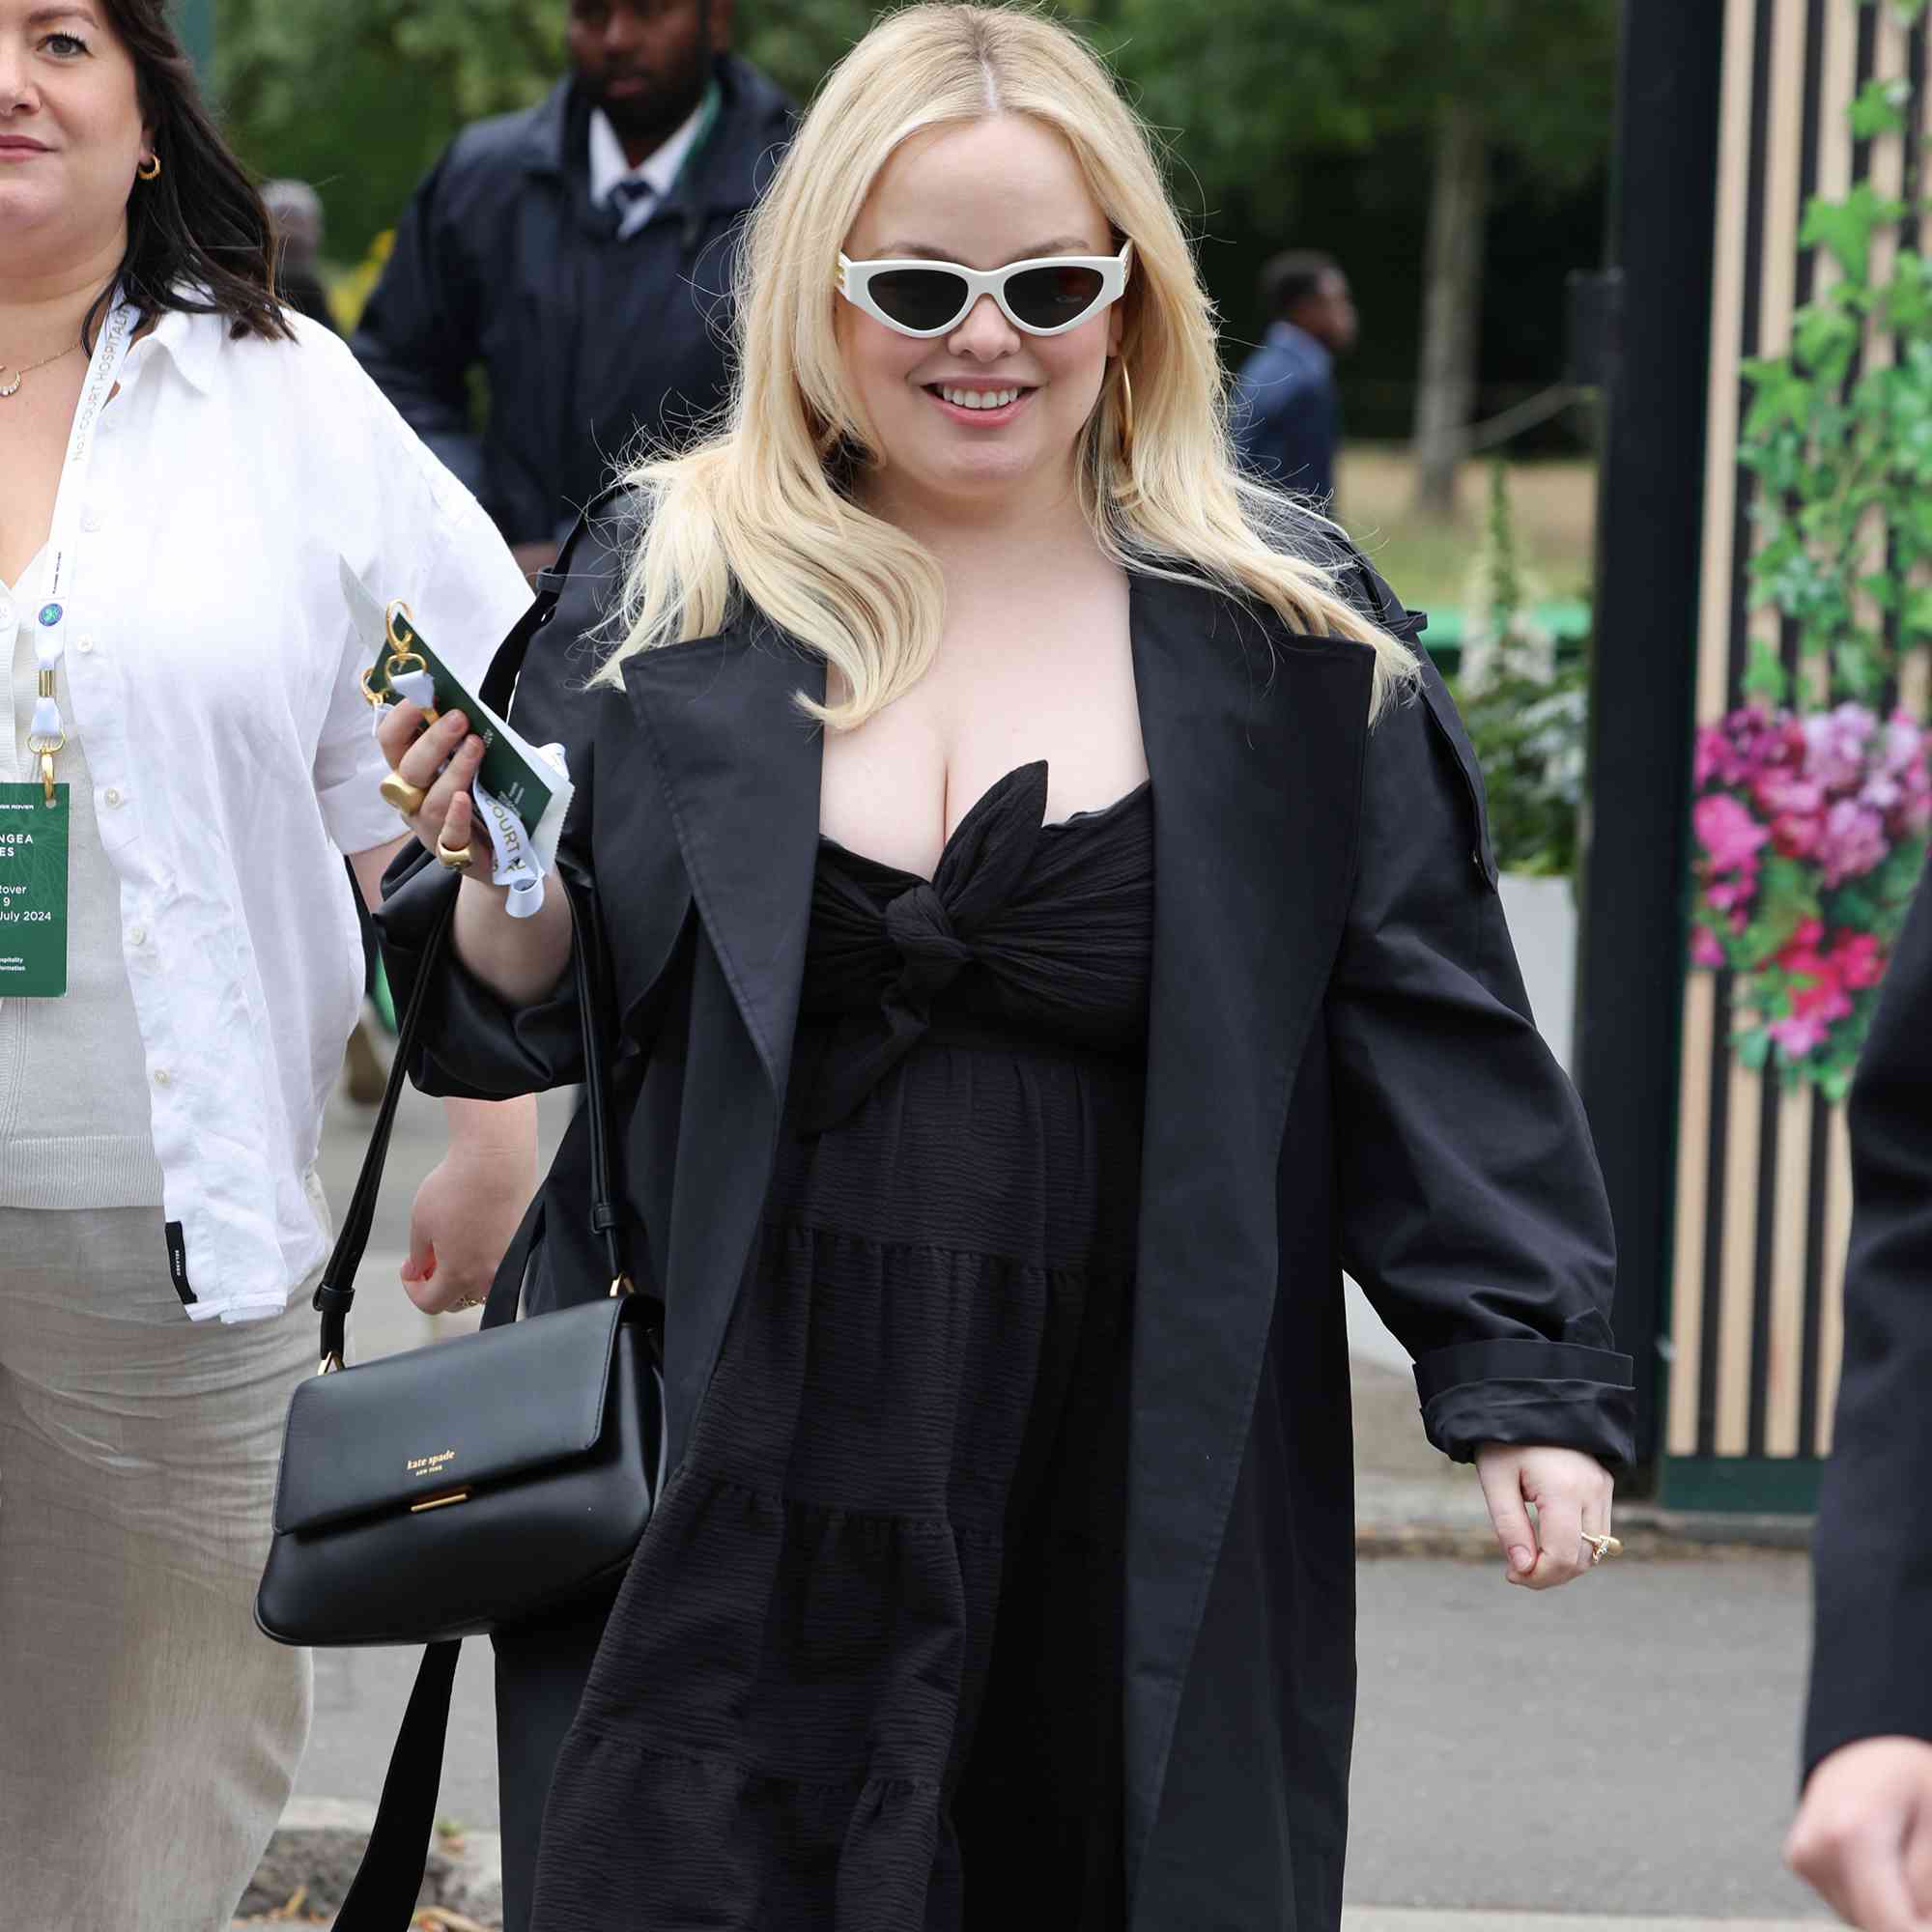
(919, 298)
(1052, 297)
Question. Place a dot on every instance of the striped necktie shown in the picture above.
(633, 199)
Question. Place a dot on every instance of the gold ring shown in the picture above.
(458, 860)
(1601, 1547)
(398, 791)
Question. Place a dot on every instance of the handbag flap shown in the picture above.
(479, 1410)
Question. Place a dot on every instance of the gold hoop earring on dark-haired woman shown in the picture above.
(149, 168)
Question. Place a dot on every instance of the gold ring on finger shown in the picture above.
(398, 791)
(459, 859)
(1601, 1547)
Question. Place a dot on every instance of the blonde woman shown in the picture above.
(1055, 932)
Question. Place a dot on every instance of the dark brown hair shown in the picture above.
(1293, 277)
(198, 236)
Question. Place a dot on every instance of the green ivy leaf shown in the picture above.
(1765, 675)
(1915, 617)
(1880, 109)
(1845, 228)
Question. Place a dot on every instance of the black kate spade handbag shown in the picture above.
(478, 1484)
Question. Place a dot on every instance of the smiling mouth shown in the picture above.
(979, 401)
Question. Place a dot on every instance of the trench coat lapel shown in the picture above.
(739, 765)
(1254, 742)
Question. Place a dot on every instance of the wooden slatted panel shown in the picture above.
(1763, 1177)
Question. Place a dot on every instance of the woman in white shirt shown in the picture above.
(185, 465)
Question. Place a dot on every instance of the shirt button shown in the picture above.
(6, 615)
(162, 1077)
(138, 936)
(83, 646)
(92, 519)
(111, 795)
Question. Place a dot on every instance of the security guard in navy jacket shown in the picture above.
(578, 253)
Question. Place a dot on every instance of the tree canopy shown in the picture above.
(361, 94)
(1270, 108)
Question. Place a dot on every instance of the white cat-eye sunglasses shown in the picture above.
(1044, 297)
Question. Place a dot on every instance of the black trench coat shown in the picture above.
(1342, 1071)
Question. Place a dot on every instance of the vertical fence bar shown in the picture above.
(1630, 975)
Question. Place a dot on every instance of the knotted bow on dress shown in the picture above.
(888, 947)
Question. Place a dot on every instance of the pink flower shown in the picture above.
(1860, 960)
(1795, 835)
(1727, 831)
(1836, 743)
(1710, 750)
(1704, 948)
(1798, 1036)
(1852, 842)
(1904, 743)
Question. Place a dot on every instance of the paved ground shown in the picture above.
(1624, 1746)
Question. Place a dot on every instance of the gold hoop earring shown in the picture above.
(1126, 413)
(150, 169)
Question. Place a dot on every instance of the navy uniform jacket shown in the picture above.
(1342, 1071)
(586, 340)
(1873, 1544)
(1287, 413)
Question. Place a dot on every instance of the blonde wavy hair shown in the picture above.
(763, 509)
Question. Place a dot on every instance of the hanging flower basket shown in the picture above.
(1811, 834)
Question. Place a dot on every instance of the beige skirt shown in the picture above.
(149, 1733)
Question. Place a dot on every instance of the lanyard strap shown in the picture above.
(104, 370)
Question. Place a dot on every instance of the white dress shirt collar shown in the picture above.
(658, 171)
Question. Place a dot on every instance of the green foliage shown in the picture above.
(1842, 446)
(1524, 705)
(361, 96)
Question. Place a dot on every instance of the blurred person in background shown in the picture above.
(295, 211)
(185, 461)
(579, 252)
(1286, 409)
(1864, 1832)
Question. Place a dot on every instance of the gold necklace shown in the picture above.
(12, 379)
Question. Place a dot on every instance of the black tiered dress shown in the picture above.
(865, 1673)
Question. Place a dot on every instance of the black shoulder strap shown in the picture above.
(336, 1295)
(390, 1880)
(502, 681)
(1388, 609)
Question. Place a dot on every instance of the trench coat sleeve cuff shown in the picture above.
(1521, 1390)
(472, 1046)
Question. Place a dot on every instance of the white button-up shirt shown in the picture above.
(213, 683)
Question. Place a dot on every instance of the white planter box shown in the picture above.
(1542, 915)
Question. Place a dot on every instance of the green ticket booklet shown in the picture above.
(33, 892)
(515, 776)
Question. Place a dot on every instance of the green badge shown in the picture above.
(33, 892)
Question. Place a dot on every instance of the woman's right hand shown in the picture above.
(442, 762)
(520, 959)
